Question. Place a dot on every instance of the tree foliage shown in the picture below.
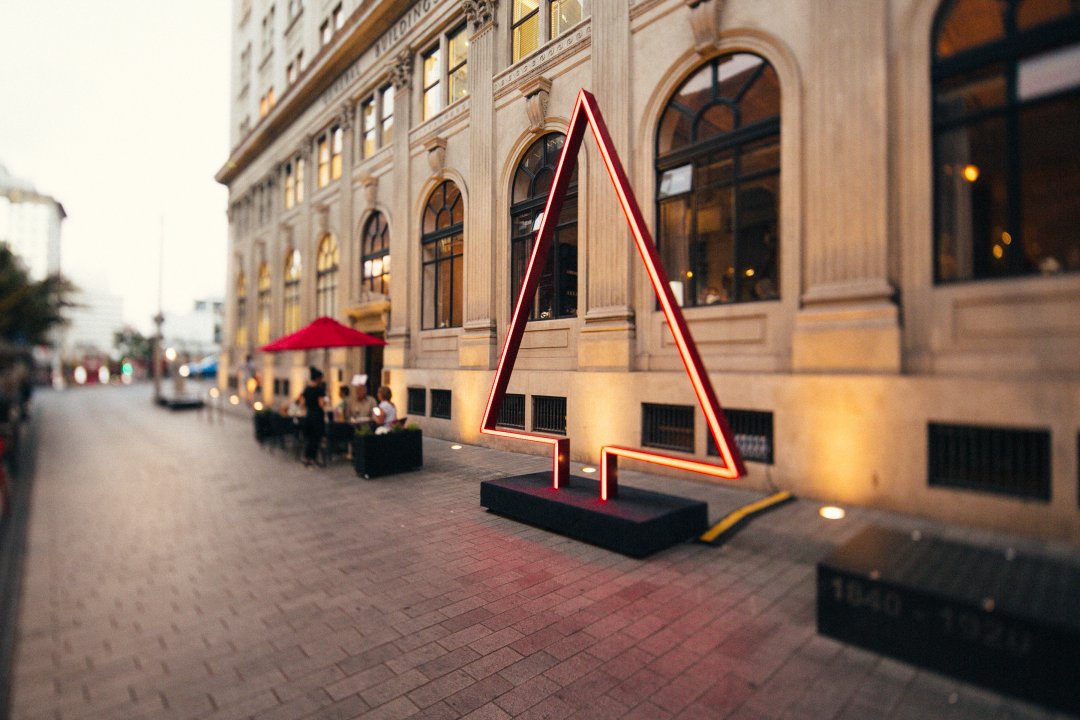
(132, 344)
(29, 309)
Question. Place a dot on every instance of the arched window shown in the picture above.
(326, 268)
(263, 331)
(718, 183)
(241, 310)
(442, 246)
(1006, 77)
(375, 255)
(291, 309)
(556, 295)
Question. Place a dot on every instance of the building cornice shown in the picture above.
(364, 27)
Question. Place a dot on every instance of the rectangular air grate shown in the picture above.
(549, 414)
(440, 404)
(418, 401)
(753, 431)
(512, 412)
(668, 427)
(1010, 461)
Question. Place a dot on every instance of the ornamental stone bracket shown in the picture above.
(322, 218)
(705, 24)
(480, 13)
(436, 154)
(536, 91)
(369, 187)
(345, 116)
(401, 70)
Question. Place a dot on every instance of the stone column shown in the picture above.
(477, 346)
(403, 227)
(348, 251)
(849, 319)
(607, 337)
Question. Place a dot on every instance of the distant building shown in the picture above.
(867, 211)
(196, 332)
(30, 225)
(92, 324)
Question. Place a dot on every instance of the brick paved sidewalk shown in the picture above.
(177, 570)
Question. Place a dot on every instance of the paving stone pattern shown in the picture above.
(175, 569)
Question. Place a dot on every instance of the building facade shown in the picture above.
(866, 210)
(30, 225)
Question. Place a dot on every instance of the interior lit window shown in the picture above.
(526, 27)
(375, 255)
(557, 292)
(457, 71)
(1006, 77)
(338, 17)
(432, 75)
(387, 118)
(264, 304)
(324, 160)
(241, 310)
(290, 186)
(300, 163)
(442, 253)
(718, 183)
(446, 78)
(337, 142)
(291, 296)
(537, 21)
(326, 270)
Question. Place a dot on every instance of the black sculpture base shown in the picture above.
(638, 523)
(1009, 623)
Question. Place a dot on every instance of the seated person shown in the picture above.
(385, 414)
(341, 410)
(364, 403)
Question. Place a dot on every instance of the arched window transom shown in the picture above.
(442, 252)
(375, 255)
(291, 304)
(326, 273)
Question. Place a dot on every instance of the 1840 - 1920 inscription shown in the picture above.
(967, 612)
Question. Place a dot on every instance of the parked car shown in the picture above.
(205, 368)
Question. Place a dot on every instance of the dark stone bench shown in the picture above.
(638, 523)
(1008, 621)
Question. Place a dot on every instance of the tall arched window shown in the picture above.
(442, 246)
(326, 269)
(241, 310)
(291, 308)
(263, 330)
(556, 295)
(718, 183)
(375, 255)
(1006, 77)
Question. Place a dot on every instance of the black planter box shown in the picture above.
(394, 452)
(1009, 622)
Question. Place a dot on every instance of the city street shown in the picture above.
(176, 569)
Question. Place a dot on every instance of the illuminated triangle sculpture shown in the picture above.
(585, 113)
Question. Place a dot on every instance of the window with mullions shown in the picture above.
(718, 183)
(241, 310)
(326, 270)
(1006, 85)
(377, 121)
(323, 154)
(445, 83)
(291, 296)
(557, 292)
(537, 21)
(263, 328)
(375, 255)
(442, 246)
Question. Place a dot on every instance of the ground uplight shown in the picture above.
(455, 447)
(831, 512)
(588, 469)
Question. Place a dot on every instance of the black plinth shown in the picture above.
(637, 523)
(1006, 621)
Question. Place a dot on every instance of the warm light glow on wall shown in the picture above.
(586, 113)
(971, 173)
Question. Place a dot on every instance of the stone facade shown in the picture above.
(860, 353)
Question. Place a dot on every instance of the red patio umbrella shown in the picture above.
(323, 332)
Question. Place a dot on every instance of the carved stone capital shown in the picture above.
(536, 91)
(479, 12)
(345, 115)
(436, 150)
(370, 187)
(401, 70)
(705, 23)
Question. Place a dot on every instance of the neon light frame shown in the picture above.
(586, 112)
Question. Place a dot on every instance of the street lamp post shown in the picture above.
(158, 320)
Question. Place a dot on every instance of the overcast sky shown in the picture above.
(119, 109)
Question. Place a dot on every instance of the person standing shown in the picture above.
(313, 399)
